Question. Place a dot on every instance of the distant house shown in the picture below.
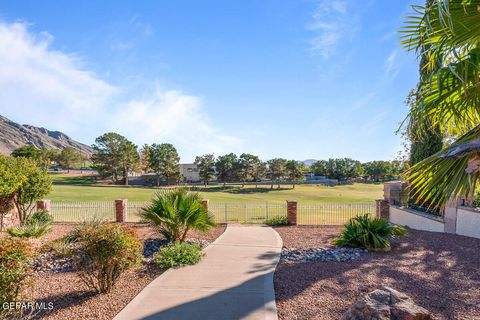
(189, 172)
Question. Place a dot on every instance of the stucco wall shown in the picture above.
(415, 220)
(468, 222)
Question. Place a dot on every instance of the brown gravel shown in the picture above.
(440, 272)
(72, 300)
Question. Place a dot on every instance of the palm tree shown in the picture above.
(175, 212)
(447, 35)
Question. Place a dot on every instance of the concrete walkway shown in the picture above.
(233, 281)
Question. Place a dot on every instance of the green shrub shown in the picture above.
(42, 217)
(29, 230)
(15, 270)
(369, 233)
(178, 254)
(277, 221)
(103, 252)
(175, 212)
(36, 226)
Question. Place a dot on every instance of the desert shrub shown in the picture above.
(36, 226)
(103, 252)
(370, 233)
(175, 212)
(277, 221)
(29, 230)
(42, 217)
(15, 269)
(178, 254)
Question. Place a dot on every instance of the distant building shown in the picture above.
(189, 172)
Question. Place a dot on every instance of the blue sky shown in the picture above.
(294, 79)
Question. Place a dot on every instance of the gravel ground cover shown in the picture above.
(440, 272)
(73, 300)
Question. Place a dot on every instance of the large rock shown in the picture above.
(386, 304)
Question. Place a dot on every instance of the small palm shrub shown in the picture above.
(370, 233)
(277, 221)
(175, 212)
(15, 270)
(102, 252)
(178, 254)
(35, 226)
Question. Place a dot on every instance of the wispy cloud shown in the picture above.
(391, 67)
(41, 86)
(332, 22)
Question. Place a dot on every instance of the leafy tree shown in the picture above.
(11, 180)
(163, 159)
(226, 167)
(175, 212)
(295, 171)
(260, 173)
(206, 167)
(115, 156)
(378, 170)
(144, 156)
(248, 165)
(68, 158)
(320, 168)
(449, 94)
(276, 170)
(27, 151)
(36, 184)
(343, 169)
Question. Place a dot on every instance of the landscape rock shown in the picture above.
(386, 304)
(320, 254)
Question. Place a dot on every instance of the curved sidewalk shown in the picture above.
(233, 281)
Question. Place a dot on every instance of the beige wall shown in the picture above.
(415, 220)
(468, 222)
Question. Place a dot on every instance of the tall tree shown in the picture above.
(378, 170)
(320, 168)
(295, 171)
(450, 93)
(426, 140)
(276, 170)
(164, 161)
(68, 158)
(226, 167)
(36, 185)
(115, 156)
(206, 167)
(144, 156)
(27, 151)
(248, 165)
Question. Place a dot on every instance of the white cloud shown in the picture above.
(391, 68)
(45, 87)
(331, 23)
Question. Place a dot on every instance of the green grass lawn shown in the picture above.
(72, 189)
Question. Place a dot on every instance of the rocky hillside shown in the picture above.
(14, 135)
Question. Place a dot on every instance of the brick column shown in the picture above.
(450, 215)
(44, 205)
(382, 209)
(292, 212)
(121, 206)
(205, 203)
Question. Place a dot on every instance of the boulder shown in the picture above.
(386, 304)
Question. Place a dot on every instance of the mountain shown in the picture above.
(309, 162)
(14, 135)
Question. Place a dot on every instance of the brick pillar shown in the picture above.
(450, 215)
(205, 203)
(382, 209)
(292, 212)
(396, 192)
(121, 206)
(44, 205)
